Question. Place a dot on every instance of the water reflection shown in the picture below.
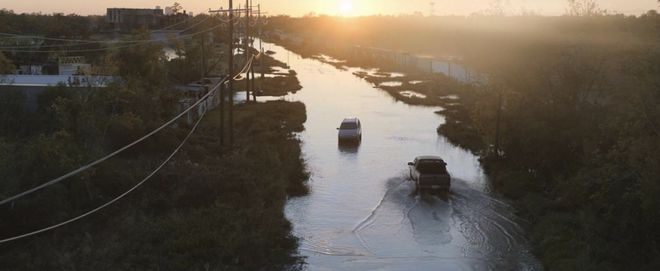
(349, 147)
(363, 213)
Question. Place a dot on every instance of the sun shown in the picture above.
(346, 7)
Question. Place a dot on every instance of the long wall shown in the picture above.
(425, 64)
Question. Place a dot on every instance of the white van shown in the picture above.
(350, 130)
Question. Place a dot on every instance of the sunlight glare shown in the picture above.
(346, 7)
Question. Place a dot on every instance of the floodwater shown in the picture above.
(362, 213)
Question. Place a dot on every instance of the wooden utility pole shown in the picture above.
(222, 114)
(203, 59)
(246, 44)
(231, 73)
(261, 49)
(254, 98)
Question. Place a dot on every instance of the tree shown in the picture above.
(176, 7)
(584, 8)
(496, 8)
(5, 65)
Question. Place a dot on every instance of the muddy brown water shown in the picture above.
(362, 213)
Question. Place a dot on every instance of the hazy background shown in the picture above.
(331, 7)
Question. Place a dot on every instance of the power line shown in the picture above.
(94, 42)
(102, 159)
(134, 43)
(179, 23)
(196, 24)
(183, 142)
(88, 42)
(246, 68)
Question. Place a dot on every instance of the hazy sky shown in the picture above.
(331, 7)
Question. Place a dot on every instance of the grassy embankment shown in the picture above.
(279, 80)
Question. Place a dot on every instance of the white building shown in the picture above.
(33, 85)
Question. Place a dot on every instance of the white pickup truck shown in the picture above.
(430, 172)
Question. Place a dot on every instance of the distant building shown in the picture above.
(73, 65)
(33, 85)
(193, 92)
(32, 69)
(37, 69)
(132, 18)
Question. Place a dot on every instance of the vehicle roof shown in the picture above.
(428, 157)
(350, 120)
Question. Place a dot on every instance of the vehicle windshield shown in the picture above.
(432, 167)
(348, 126)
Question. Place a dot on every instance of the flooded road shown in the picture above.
(362, 214)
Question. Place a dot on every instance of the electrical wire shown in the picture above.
(89, 42)
(114, 47)
(132, 43)
(85, 167)
(196, 24)
(178, 148)
(245, 69)
(176, 24)
(102, 159)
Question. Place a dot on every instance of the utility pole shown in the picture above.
(228, 84)
(203, 59)
(261, 49)
(246, 48)
(222, 114)
(254, 98)
(231, 73)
